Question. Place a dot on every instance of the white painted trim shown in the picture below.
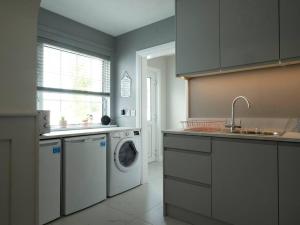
(160, 50)
(156, 51)
(187, 103)
(159, 121)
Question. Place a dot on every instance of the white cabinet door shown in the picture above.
(49, 180)
(84, 174)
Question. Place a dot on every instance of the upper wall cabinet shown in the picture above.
(249, 32)
(197, 36)
(289, 29)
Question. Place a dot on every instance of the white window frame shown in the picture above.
(105, 109)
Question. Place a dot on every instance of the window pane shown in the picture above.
(148, 98)
(65, 69)
(51, 68)
(75, 108)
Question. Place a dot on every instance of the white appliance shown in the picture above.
(49, 180)
(124, 160)
(84, 172)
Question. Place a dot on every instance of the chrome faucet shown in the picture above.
(232, 125)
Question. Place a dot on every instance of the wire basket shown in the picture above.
(203, 125)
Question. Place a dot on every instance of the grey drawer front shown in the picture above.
(187, 142)
(187, 196)
(190, 166)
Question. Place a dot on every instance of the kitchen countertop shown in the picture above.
(79, 132)
(286, 137)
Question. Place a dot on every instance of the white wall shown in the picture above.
(173, 96)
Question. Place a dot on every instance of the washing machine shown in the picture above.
(124, 161)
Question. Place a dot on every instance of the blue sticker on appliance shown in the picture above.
(102, 143)
(56, 150)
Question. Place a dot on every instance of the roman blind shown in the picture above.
(70, 71)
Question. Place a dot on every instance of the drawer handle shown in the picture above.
(97, 139)
(49, 143)
(76, 141)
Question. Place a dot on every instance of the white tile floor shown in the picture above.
(139, 206)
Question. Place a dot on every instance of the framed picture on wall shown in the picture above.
(125, 85)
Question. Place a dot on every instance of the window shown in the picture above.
(73, 86)
(148, 98)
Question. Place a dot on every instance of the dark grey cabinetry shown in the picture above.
(248, 32)
(187, 174)
(190, 166)
(191, 197)
(197, 36)
(221, 181)
(289, 184)
(244, 182)
(289, 29)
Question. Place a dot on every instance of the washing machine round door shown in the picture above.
(126, 155)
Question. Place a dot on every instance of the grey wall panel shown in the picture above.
(20, 154)
(126, 46)
(5, 181)
(197, 36)
(249, 32)
(244, 182)
(17, 97)
(187, 165)
(289, 29)
(289, 184)
(18, 55)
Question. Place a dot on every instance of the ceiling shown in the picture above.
(114, 17)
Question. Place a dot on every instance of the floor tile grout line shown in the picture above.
(136, 216)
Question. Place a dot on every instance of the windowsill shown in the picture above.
(80, 127)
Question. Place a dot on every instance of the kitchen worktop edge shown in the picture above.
(83, 132)
(286, 137)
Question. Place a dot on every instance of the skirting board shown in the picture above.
(190, 217)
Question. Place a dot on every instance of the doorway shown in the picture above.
(161, 100)
(152, 79)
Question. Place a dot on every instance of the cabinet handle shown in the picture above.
(76, 141)
(97, 139)
(85, 140)
(49, 143)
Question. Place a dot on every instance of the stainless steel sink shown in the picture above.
(248, 131)
(240, 131)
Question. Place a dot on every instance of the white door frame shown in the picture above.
(141, 97)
